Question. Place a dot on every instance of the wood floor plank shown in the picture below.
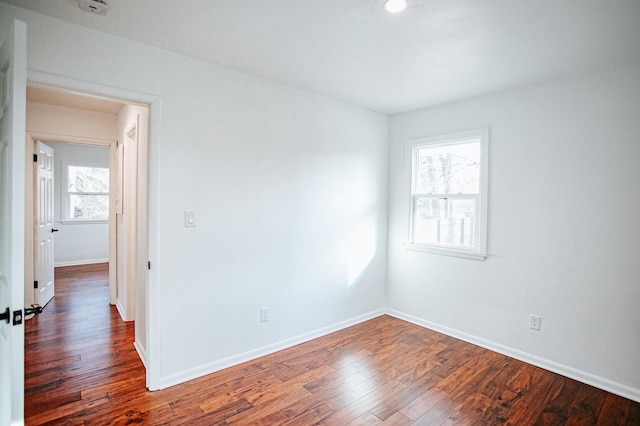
(614, 410)
(265, 413)
(81, 369)
(365, 419)
(237, 389)
(367, 402)
(586, 406)
(336, 396)
(310, 417)
(423, 403)
(397, 420)
(471, 411)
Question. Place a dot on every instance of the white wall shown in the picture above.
(289, 190)
(78, 243)
(563, 228)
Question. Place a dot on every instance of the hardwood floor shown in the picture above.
(81, 369)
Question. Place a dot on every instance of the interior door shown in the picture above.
(13, 73)
(43, 256)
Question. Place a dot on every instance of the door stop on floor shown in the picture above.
(32, 311)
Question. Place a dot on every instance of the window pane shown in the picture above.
(449, 169)
(91, 207)
(88, 179)
(440, 221)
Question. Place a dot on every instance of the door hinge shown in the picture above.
(35, 158)
(149, 264)
(35, 284)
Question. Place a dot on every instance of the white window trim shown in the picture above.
(64, 194)
(479, 252)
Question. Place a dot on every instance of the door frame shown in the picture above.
(154, 103)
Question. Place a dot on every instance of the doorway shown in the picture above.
(77, 349)
(71, 204)
(59, 117)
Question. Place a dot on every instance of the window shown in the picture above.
(85, 196)
(449, 194)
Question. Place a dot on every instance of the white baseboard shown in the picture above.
(141, 353)
(564, 370)
(80, 262)
(121, 311)
(212, 367)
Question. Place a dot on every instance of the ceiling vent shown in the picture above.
(99, 7)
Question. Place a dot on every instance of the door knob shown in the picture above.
(5, 315)
(54, 230)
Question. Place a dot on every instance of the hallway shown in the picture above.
(79, 354)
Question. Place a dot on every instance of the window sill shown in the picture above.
(83, 222)
(445, 251)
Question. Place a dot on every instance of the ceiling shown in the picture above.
(436, 51)
(70, 100)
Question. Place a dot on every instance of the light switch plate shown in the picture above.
(189, 219)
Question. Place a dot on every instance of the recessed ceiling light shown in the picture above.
(395, 6)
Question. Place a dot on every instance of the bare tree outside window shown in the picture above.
(443, 171)
(88, 193)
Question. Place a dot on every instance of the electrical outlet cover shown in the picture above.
(534, 322)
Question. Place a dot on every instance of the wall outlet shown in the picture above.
(264, 314)
(534, 322)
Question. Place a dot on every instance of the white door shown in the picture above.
(13, 73)
(44, 274)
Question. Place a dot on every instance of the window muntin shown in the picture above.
(86, 195)
(448, 193)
